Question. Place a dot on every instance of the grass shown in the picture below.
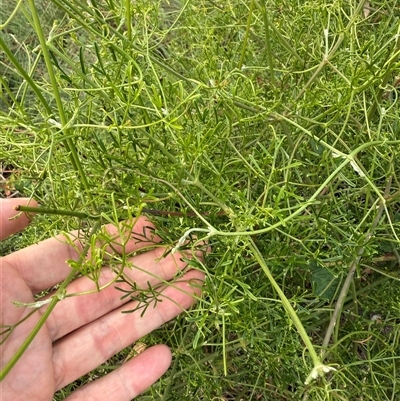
(269, 128)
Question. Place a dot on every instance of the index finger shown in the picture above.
(44, 265)
(7, 212)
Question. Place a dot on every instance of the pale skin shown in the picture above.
(84, 331)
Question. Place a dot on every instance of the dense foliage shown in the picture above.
(271, 128)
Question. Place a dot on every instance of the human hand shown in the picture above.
(84, 331)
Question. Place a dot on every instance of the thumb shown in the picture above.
(7, 211)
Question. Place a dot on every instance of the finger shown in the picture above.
(45, 264)
(7, 211)
(148, 269)
(91, 345)
(128, 381)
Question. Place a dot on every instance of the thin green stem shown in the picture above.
(58, 212)
(343, 293)
(25, 75)
(6, 331)
(128, 19)
(385, 80)
(63, 119)
(312, 199)
(60, 294)
(174, 367)
(246, 35)
(285, 302)
(282, 39)
(268, 44)
(328, 56)
(321, 66)
(82, 19)
(35, 330)
(10, 18)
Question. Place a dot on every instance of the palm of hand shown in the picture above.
(82, 332)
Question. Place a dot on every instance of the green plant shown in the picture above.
(269, 129)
